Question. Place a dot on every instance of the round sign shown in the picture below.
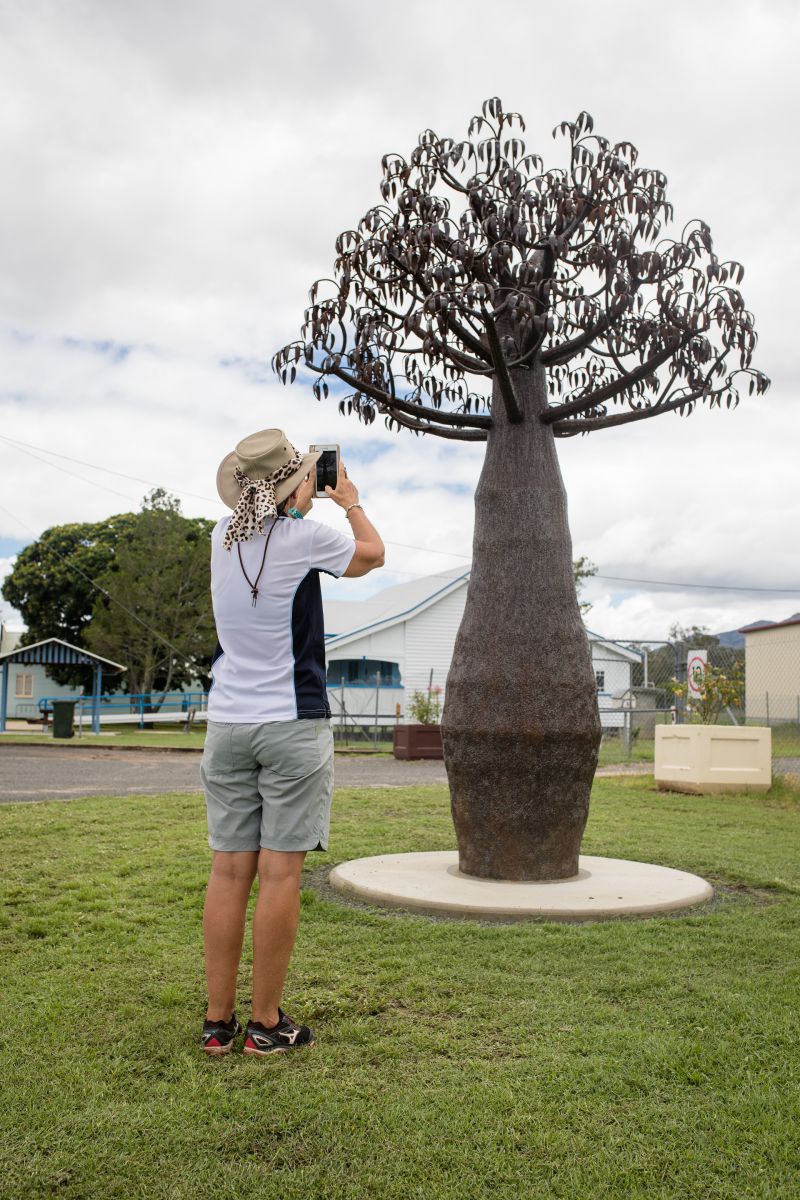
(696, 673)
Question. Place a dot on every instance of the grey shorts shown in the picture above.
(268, 785)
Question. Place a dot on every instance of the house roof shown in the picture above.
(617, 647)
(395, 604)
(762, 626)
(349, 620)
(54, 651)
(344, 616)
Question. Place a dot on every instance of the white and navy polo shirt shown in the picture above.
(269, 664)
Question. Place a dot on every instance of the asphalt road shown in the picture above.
(30, 773)
(44, 773)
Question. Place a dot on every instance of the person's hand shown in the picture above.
(345, 493)
(304, 495)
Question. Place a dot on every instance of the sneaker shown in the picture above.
(286, 1035)
(217, 1036)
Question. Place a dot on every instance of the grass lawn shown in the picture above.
(612, 751)
(785, 742)
(457, 1060)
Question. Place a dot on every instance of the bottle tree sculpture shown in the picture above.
(489, 299)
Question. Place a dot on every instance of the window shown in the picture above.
(363, 672)
(23, 687)
(600, 680)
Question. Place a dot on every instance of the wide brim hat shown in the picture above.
(260, 456)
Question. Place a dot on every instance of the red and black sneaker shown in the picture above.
(286, 1035)
(217, 1036)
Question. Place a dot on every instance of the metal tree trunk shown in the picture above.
(521, 728)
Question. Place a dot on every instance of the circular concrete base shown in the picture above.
(604, 887)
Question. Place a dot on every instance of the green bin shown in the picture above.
(63, 715)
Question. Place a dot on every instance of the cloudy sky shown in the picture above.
(175, 176)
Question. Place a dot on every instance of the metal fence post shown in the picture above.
(626, 732)
(3, 698)
(98, 691)
(680, 672)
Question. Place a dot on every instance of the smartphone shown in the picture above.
(327, 468)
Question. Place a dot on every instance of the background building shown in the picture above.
(401, 640)
(772, 671)
(28, 683)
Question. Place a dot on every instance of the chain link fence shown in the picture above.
(640, 684)
(644, 684)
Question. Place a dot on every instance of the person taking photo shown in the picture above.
(267, 766)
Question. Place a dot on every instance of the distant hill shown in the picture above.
(735, 639)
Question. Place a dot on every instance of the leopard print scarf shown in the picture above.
(257, 501)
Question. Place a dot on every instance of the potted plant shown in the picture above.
(423, 738)
(704, 757)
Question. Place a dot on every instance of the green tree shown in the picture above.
(154, 564)
(696, 637)
(157, 616)
(582, 569)
(51, 583)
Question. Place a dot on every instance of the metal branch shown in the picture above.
(556, 355)
(463, 334)
(488, 289)
(567, 428)
(463, 361)
(466, 435)
(360, 385)
(513, 410)
(609, 390)
(461, 420)
(387, 403)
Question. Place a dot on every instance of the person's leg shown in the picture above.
(232, 875)
(275, 922)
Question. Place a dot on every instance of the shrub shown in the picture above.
(425, 707)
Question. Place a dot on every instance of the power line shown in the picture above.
(64, 470)
(669, 583)
(95, 467)
(709, 587)
(98, 588)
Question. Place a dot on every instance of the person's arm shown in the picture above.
(369, 551)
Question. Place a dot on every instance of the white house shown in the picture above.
(401, 639)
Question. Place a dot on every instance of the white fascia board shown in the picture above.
(78, 649)
(615, 647)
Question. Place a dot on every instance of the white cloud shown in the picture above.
(177, 175)
(8, 614)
